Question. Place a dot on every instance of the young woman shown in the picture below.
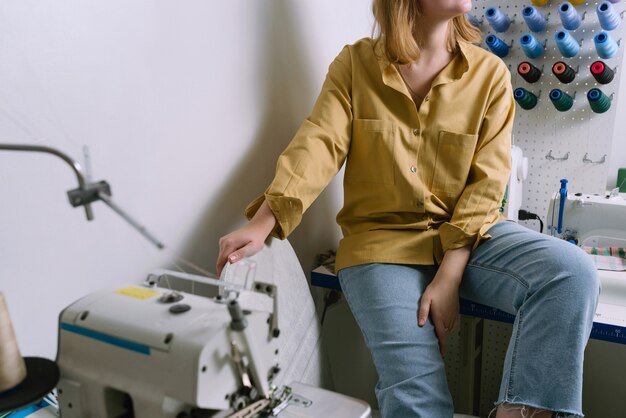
(422, 120)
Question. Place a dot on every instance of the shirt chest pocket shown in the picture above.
(371, 157)
(453, 162)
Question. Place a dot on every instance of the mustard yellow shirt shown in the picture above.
(417, 181)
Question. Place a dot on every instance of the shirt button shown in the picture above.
(416, 132)
(413, 169)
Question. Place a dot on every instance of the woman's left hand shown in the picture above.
(441, 301)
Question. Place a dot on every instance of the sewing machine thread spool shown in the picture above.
(569, 16)
(563, 72)
(531, 46)
(602, 73)
(498, 20)
(606, 47)
(561, 100)
(524, 98)
(621, 179)
(566, 43)
(473, 20)
(539, 3)
(528, 72)
(608, 16)
(534, 19)
(598, 101)
(12, 365)
(497, 46)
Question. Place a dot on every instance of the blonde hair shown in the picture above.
(395, 26)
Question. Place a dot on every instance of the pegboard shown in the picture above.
(582, 135)
(453, 362)
(496, 336)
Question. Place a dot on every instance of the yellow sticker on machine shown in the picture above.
(137, 292)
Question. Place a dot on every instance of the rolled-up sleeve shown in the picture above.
(478, 207)
(315, 154)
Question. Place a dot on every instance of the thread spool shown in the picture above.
(497, 46)
(524, 98)
(531, 47)
(561, 100)
(499, 21)
(601, 72)
(563, 72)
(605, 45)
(614, 1)
(529, 72)
(539, 3)
(566, 43)
(598, 101)
(569, 16)
(12, 365)
(534, 19)
(472, 19)
(578, 2)
(608, 16)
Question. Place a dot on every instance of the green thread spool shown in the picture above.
(598, 101)
(561, 100)
(524, 98)
(621, 180)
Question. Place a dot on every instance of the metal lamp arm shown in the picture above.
(78, 170)
(87, 192)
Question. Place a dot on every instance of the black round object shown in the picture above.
(42, 375)
(179, 308)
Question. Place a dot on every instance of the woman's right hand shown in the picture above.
(248, 240)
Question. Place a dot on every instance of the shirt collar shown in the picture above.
(453, 71)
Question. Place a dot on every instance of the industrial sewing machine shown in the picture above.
(152, 352)
(593, 220)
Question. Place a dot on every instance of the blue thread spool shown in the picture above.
(524, 98)
(472, 19)
(535, 21)
(566, 43)
(608, 16)
(497, 46)
(532, 48)
(561, 100)
(598, 101)
(499, 21)
(569, 16)
(605, 45)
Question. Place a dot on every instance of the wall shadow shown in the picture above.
(289, 96)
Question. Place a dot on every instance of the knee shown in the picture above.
(580, 276)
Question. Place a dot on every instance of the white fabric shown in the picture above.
(301, 354)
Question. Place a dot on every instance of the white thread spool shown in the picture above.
(12, 366)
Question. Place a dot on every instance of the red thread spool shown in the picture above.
(529, 72)
(602, 73)
(563, 72)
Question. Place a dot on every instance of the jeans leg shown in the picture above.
(384, 301)
(552, 287)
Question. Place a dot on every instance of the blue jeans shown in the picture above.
(550, 285)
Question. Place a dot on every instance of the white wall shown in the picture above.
(184, 107)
